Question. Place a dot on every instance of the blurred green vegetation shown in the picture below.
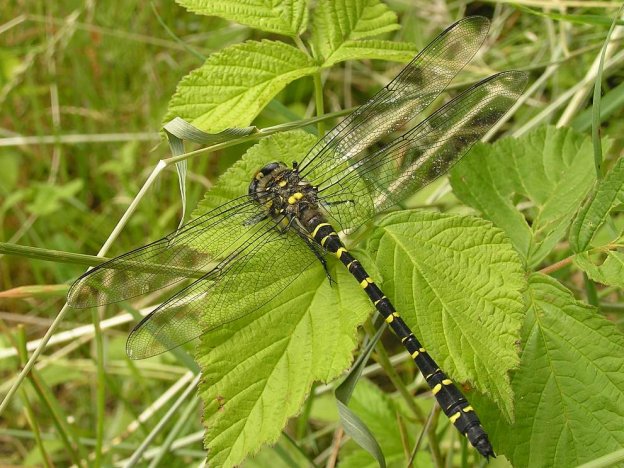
(103, 72)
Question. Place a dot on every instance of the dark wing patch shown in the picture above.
(418, 84)
(385, 177)
(189, 252)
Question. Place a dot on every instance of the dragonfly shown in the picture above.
(291, 215)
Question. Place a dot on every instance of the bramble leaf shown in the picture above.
(530, 186)
(338, 25)
(570, 384)
(605, 263)
(372, 49)
(234, 85)
(606, 267)
(258, 370)
(458, 282)
(288, 17)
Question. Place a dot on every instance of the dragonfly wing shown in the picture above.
(418, 84)
(184, 254)
(250, 277)
(385, 177)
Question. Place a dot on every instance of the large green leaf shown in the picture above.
(234, 85)
(546, 173)
(458, 282)
(569, 387)
(259, 369)
(604, 263)
(288, 17)
(337, 26)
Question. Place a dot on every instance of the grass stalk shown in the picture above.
(100, 388)
(138, 453)
(318, 99)
(48, 400)
(30, 414)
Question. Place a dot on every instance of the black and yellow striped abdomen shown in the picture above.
(449, 397)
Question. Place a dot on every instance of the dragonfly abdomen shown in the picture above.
(449, 397)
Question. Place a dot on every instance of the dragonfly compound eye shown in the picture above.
(258, 183)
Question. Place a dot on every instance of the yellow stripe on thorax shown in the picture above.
(294, 197)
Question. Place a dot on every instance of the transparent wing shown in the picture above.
(251, 276)
(424, 78)
(190, 252)
(383, 178)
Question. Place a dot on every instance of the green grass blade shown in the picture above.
(596, 101)
(100, 389)
(352, 424)
(53, 407)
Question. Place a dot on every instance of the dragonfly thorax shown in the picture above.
(282, 192)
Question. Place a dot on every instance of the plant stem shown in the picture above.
(433, 441)
(566, 261)
(382, 358)
(50, 255)
(258, 135)
(318, 96)
(557, 266)
(100, 389)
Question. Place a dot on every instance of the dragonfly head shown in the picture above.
(264, 176)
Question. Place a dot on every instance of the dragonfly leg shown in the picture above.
(318, 253)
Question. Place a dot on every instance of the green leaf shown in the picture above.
(379, 412)
(338, 24)
(606, 267)
(234, 85)
(608, 195)
(570, 384)
(457, 281)
(281, 455)
(288, 17)
(372, 49)
(604, 264)
(257, 370)
(547, 173)
(353, 425)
